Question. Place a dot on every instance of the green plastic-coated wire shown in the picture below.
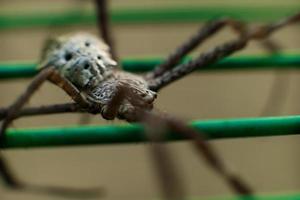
(10, 70)
(88, 135)
(291, 196)
(144, 15)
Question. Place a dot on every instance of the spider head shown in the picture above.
(82, 59)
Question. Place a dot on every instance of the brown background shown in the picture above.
(270, 165)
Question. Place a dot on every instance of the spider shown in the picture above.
(86, 68)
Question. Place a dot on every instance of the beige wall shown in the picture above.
(270, 165)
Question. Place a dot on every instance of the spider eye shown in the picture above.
(87, 44)
(99, 57)
(68, 56)
(86, 66)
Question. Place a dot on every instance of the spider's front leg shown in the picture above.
(10, 180)
(20, 102)
(47, 73)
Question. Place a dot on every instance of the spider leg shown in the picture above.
(45, 110)
(125, 103)
(19, 103)
(171, 183)
(13, 183)
(210, 156)
(10, 179)
(203, 148)
(104, 26)
(203, 60)
(84, 119)
(219, 52)
(202, 34)
(106, 33)
(48, 73)
(279, 86)
(111, 110)
(69, 88)
(271, 46)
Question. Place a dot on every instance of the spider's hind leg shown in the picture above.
(13, 183)
(170, 180)
(211, 157)
(203, 149)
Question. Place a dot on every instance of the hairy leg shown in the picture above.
(125, 102)
(216, 54)
(45, 110)
(202, 34)
(104, 26)
(204, 149)
(277, 94)
(69, 88)
(171, 184)
(12, 182)
(279, 86)
(48, 73)
(20, 102)
(12, 112)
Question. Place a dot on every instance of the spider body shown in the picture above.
(85, 61)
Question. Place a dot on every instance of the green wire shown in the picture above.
(295, 196)
(133, 133)
(10, 70)
(144, 15)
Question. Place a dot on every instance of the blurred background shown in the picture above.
(270, 165)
